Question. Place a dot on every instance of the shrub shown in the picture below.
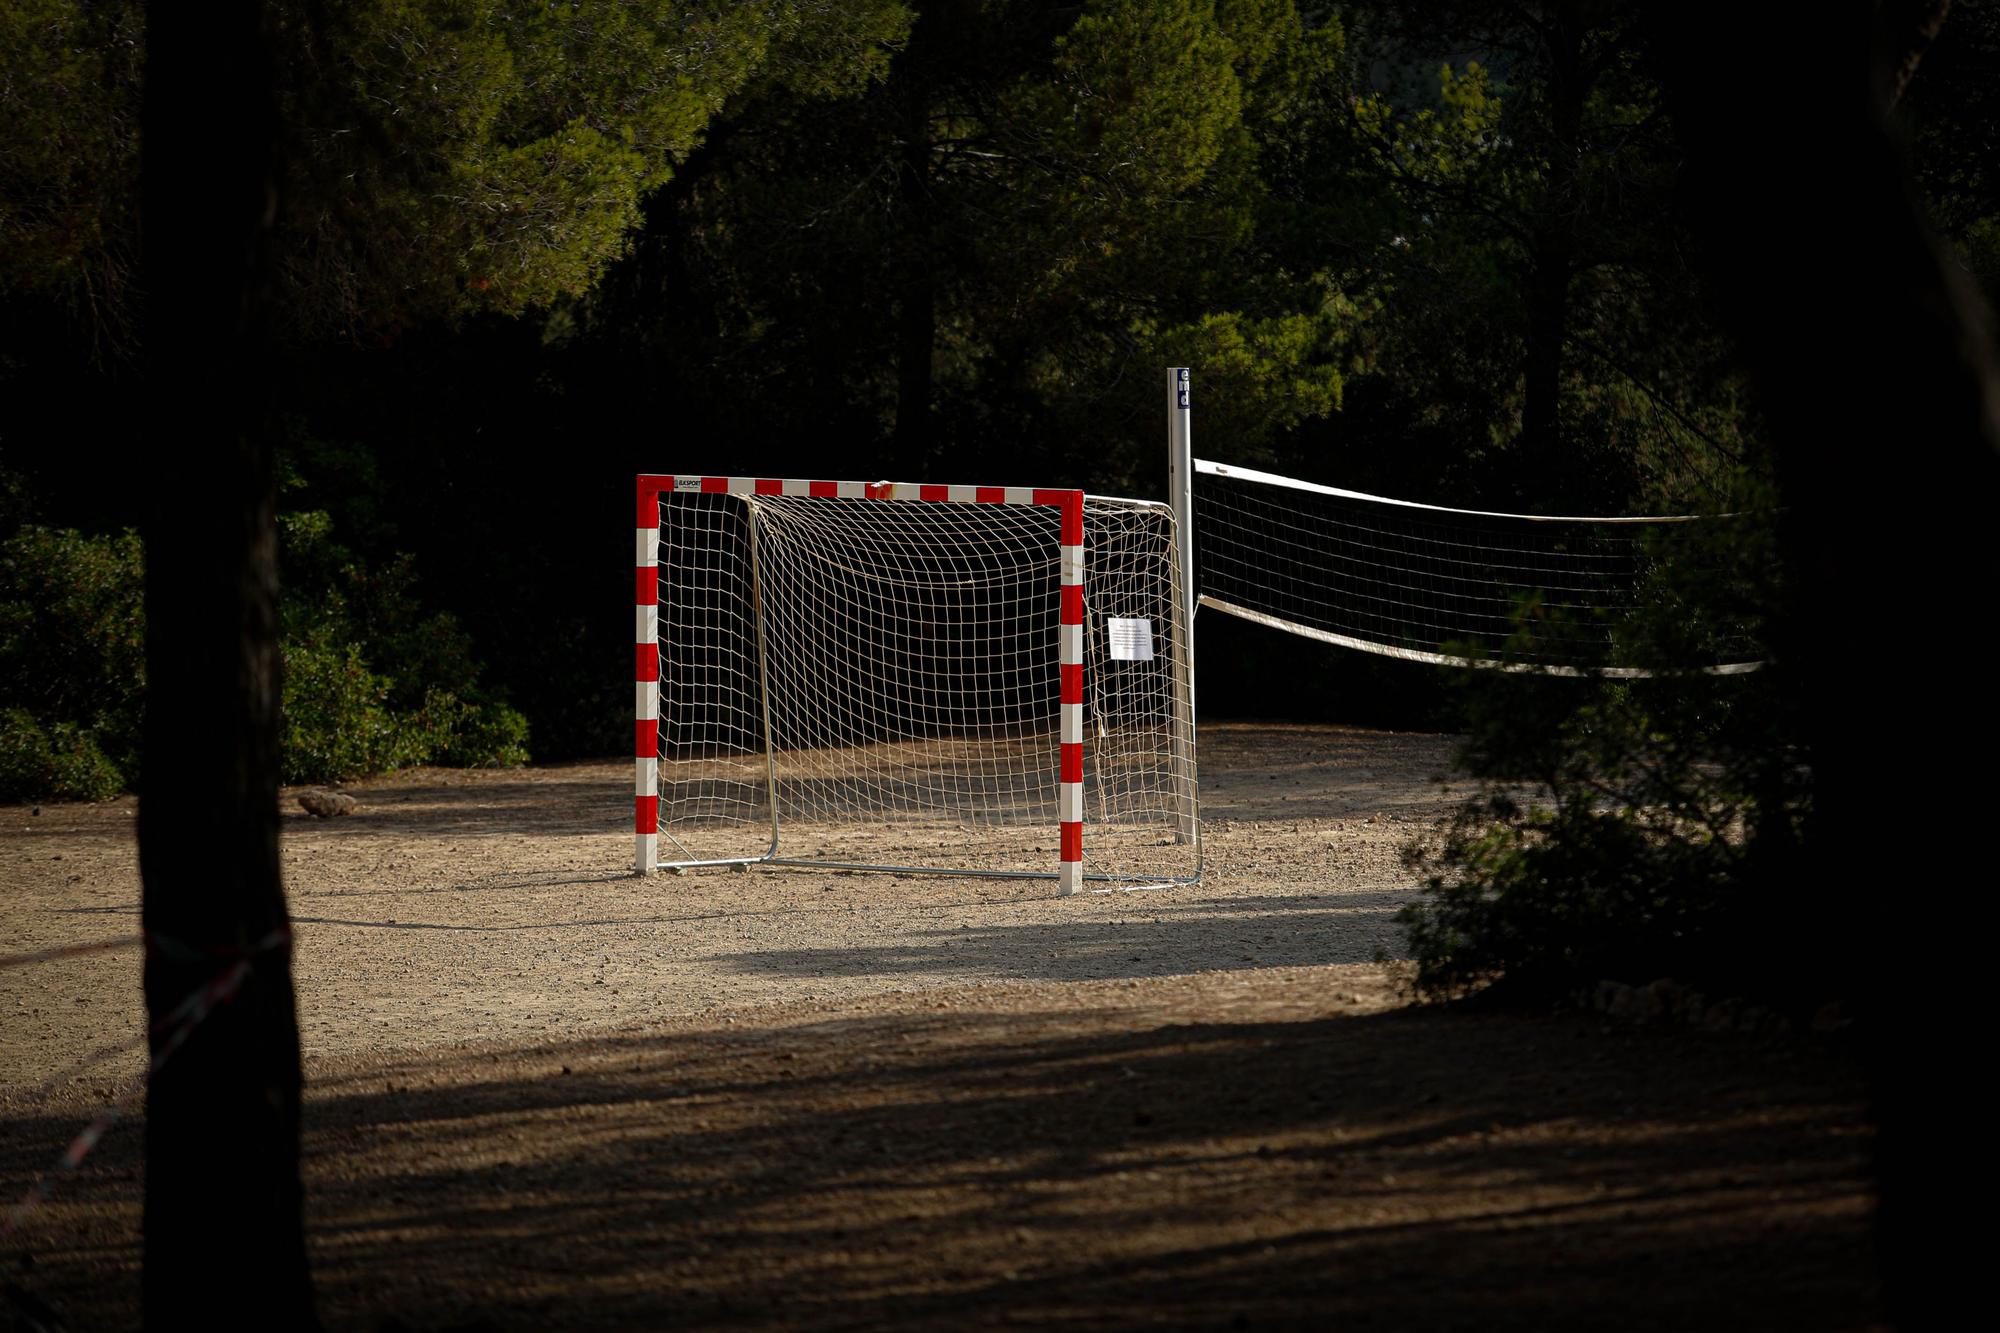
(336, 720)
(59, 762)
(464, 735)
(1630, 830)
(1650, 843)
(72, 641)
(372, 682)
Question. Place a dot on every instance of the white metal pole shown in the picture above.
(1180, 494)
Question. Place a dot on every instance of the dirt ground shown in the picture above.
(544, 1093)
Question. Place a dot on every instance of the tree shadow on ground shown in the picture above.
(1115, 1167)
(1159, 938)
(1161, 935)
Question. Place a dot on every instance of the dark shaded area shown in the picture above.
(1803, 176)
(223, 1200)
(1424, 1168)
(934, 276)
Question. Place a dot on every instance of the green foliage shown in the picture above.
(72, 643)
(59, 762)
(479, 156)
(1274, 372)
(337, 722)
(1036, 204)
(72, 660)
(1172, 115)
(463, 734)
(1630, 829)
(373, 682)
(69, 152)
(1436, 147)
(341, 722)
(946, 240)
(453, 157)
(1512, 186)
(823, 49)
(1141, 102)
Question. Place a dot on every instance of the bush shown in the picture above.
(336, 720)
(372, 682)
(464, 735)
(60, 762)
(72, 645)
(339, 722)
(1650, 845)
(1631, 830)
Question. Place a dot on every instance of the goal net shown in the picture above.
(1428, 583)
(975, 680)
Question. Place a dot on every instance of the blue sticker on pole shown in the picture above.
(1181, 388)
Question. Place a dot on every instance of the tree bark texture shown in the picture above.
(1873, 361)
(223, 1221)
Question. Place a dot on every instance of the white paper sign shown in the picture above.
(1131, 640)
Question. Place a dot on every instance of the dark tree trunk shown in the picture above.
(1904, 31)
(1552, 263)
(223, 1212)
(1881, 385)
(916, 312)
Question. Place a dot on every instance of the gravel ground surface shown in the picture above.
(543, 1093)
(463, 905)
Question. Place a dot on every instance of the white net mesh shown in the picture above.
(901, 657)
(1432, 584)
(714, 780)
(1139, 789)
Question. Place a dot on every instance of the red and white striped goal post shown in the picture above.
(1069, 795)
